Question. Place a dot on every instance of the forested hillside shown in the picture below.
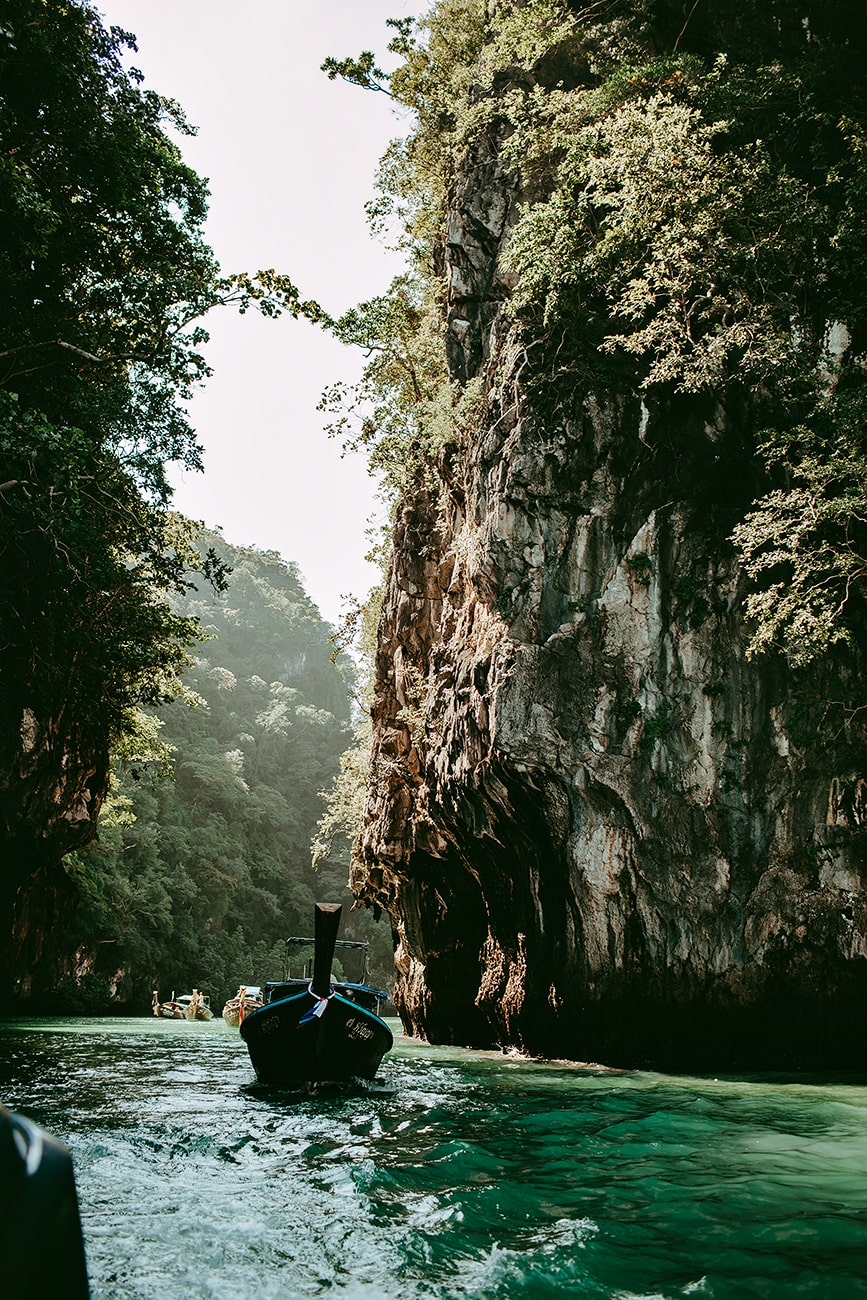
(202, 864)
(105, 280)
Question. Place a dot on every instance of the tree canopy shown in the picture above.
(106, 278)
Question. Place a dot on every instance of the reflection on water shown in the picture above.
(477, 1175)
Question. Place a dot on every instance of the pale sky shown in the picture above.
(291, 158)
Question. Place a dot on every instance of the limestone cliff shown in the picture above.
(600, 830)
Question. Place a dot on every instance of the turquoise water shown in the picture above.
(478, 1176)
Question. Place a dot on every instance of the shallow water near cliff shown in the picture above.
(477, 1176)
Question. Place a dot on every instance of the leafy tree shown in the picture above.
(696, 203)
(805, 543)
(344, 799)
(405, 410)
(105, 279)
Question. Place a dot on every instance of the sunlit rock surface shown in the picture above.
(600, 831)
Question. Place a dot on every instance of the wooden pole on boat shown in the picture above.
(327, 923)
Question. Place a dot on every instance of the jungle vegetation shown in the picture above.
(202, 866)
(692, 183)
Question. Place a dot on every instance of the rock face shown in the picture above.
(600, 831)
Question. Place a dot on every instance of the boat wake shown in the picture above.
(301, 1090)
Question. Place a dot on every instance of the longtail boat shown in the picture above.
(189, 1006)
(317, 1035)
(247, 999)
(196, 1005)
(171, 1010)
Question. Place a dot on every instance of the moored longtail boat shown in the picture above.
(247, 999)
(170, 1010)
(317, 1035)
(196, 1006)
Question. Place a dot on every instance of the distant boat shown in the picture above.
(317, 1034)
(248, 998)
(189, 1006)
(170, 1010)
(196, 1006)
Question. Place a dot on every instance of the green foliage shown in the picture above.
(805, 543)
(693, 221)
(340, 824)
(105, 279)
(666, 214)
(656, 729)
(439, 52)
(344, 800)
(641, 567)
(406, 409)
(693, 214)
(673, 237)
(392, 413)
(359, 72)
(210, 868)
(104, 267)
(626, 711)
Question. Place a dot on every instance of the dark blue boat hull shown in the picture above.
(346, 1042)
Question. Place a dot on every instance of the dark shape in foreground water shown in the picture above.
(41, 1246)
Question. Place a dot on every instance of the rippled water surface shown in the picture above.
(477, 1176)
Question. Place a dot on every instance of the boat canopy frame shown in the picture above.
(303, 941)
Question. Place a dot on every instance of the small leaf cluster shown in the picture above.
(405, 408)
(805, 543)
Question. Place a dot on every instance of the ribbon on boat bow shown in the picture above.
(319, 1007)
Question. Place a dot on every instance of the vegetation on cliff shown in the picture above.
(691, 185)
(604, 822)
(686, 190)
